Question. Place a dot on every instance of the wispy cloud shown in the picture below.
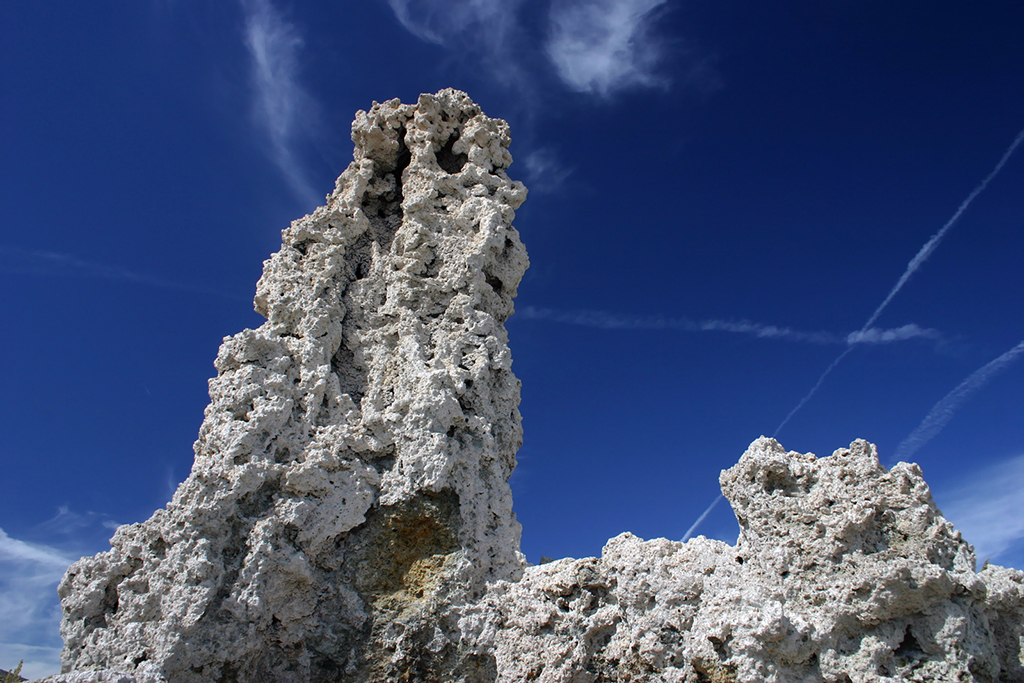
(544, 172)
(912, 267)
(943, 412)
(877, 335)
(612, 321)
(487, 31)
(29, 609)
(445, 21)
(987, 510)
(52, 562)
(282, 108)
(49, 263)
(594, 46)
(71, 524)
(600, 46)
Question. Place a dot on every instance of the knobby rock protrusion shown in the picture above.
(350, 478)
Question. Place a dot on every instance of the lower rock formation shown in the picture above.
(348, 516)
(843, 572)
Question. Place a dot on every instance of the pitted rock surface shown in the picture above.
(350, 478)
(348, 516)
(843, 572)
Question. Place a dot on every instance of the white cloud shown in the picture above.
(599, 46)
(877, 335)
(29, 609)
(989, 510)
(282, 107)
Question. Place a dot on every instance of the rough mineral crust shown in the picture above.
(350, 478)
(348, 516)
(843, 572)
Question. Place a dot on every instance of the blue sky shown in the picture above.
(723, 195)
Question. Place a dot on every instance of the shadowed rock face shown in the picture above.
(348, 516)
(350, 480)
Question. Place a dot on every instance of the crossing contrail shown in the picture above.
(689, 532)
(942, 413)
(932, 243)
(914, 264)
(813, 390)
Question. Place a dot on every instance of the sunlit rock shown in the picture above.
(843, 572)
(348, 516)
(350, 480)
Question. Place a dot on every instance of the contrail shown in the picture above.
(813, 390)
(927, 429)
(931, 244)
(914, 264)
(942, 413)
(686, 536)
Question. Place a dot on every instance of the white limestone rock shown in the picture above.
(348, 516)
(350, 478)
(843, 572)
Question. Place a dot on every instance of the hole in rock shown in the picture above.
(908, 648)
(494, 282)
(448, 160)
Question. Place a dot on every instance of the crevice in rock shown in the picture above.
(909, 648)
(352, 374)
(495, 283)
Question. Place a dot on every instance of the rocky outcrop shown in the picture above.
(348, 516)
(843, 572)
(350, 478)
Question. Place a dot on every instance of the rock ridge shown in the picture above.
(348, 516)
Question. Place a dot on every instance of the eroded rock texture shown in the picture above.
(350, 478)
(843, 572)
(348, 517)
